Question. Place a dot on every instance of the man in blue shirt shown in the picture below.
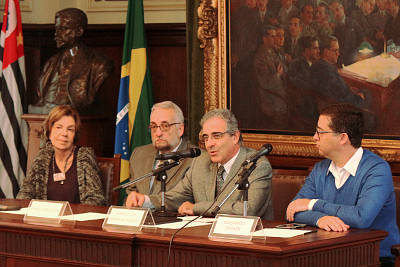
(353, 187)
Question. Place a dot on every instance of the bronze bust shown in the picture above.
(73, 75)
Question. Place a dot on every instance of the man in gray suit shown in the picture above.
(166, 127)
(196, 192)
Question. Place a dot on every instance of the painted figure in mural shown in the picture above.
(270, 72)
(74, 75)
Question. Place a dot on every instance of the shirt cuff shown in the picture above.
(311, 203)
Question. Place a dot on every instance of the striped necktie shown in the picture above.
(220, 180)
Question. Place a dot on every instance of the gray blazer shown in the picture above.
(198, 187)
(141, 163)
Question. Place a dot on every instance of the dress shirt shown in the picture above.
(228, 165)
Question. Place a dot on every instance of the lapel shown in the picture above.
(148, 164)
(212, 171)
(229, 178)
(80, 63)
(235, 167)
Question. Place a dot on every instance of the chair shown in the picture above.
(285, 185)
(110, 169)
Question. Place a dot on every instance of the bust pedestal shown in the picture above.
(93, 133)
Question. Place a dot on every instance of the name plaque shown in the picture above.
(127, 220)
(48, 212)
(234, 227)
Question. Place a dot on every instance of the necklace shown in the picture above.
(60, 177)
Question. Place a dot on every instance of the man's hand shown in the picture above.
(332, 223)
(186, 208)
(134, 199)
(297, 205)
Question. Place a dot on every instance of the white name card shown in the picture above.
(48, 212)
(45, 209)
(126, 220)
(127, 217)
(234, 227)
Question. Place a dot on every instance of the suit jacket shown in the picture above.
(142, 162)
(302, 103)
(330, 87)
(271, 88)
(198, 187)
(291, 48)
(349, 37)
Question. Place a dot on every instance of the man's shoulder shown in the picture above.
(54, 59)
(299, 63)
(144, 148)
(322, 165)
(247, 152)
(371, 157)
(95, 58)
(320, 63)
(323, 67)
(185, 145)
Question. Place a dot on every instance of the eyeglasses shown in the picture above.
(322, 132)
(164, 126)
(215, 136)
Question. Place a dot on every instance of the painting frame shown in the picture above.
(148, 5)
(212, 33)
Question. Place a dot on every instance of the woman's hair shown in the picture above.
(56, 114)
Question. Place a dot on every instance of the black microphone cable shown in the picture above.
(199, 216)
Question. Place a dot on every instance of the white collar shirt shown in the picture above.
(228, 165)
(350, 168)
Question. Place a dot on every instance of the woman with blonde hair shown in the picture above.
(61, 170)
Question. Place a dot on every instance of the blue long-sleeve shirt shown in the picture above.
(366, 200)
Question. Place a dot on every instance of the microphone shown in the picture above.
(265, 150)
(191, 153)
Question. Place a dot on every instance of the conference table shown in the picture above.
(86, 244)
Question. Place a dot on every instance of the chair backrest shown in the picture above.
(110, 169)
(285, 185)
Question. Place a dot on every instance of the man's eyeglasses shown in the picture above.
(322, 132)
(214, 136)
(164, 126)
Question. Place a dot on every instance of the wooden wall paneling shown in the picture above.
(167, 56)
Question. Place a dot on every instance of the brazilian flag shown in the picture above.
(135, 91)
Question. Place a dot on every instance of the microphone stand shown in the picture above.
(162, 177)
(162, 168)
(242, 184)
